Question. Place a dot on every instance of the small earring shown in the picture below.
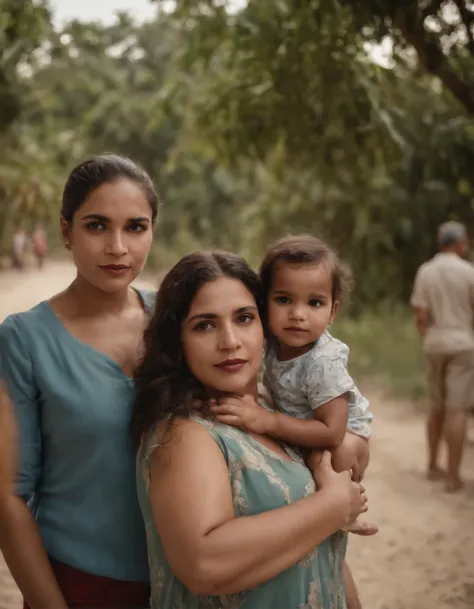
(66, 243)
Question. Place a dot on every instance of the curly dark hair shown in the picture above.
(165, 386)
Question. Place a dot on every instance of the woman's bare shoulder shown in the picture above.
(171, 433)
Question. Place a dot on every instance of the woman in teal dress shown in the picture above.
(232, 518)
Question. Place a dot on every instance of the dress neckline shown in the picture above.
(92, 350)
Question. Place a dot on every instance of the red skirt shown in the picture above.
(92, 591)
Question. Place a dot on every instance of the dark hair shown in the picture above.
(165, 386)
(104, 169)
(305, 249)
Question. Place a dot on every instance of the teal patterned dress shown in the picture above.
(261, 480)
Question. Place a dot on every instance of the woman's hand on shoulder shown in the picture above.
(349, 497)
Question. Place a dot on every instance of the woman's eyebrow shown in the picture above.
(215, 316)
(246, 308)
(96, 217)
(202, 316)
(105, 219)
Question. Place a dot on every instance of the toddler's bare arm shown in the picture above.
(325, 431)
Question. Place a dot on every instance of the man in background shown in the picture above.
(18, 248)
(443, 301)
(39, 244)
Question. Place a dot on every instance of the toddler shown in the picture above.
(305, 367)
(306, 372)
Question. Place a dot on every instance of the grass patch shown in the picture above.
(385, 348)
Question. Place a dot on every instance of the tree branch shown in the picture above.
(467, 17)
(434, 60)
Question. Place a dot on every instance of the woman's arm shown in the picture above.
(20, 540)
(210, 550)
(24, 553)
(8, 445)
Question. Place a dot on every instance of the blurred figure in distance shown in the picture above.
(443, 301)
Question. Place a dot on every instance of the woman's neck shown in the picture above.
(251, 389)
(91, 301)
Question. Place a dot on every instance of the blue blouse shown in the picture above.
(77, 466)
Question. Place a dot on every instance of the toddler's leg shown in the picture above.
(352, 596)
(353, 455)
(342, 458)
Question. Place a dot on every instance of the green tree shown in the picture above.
(440, 32)
(24, 27)
(258, 122)
(100, 89)
(370, 157)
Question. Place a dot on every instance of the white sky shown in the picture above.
(99, 10)
(104, 10)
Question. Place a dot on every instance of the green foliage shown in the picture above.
(22, 28)
(24, 169)
(254, 122)
(439, 32)
(372, 158)
(386, 349)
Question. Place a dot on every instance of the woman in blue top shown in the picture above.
(72, 533)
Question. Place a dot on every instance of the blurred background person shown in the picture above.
(18, 248)
(39, 244)
(443, 300)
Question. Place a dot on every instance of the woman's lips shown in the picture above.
(115, 269)
(231, 365)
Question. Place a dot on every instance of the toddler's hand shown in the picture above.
(244, 413)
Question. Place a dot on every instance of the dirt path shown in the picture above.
(423, 557)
